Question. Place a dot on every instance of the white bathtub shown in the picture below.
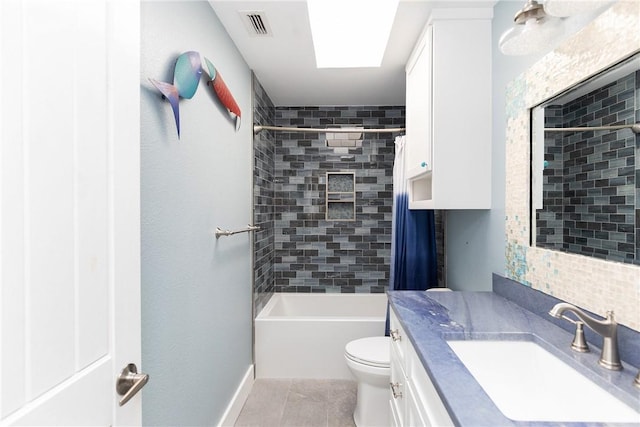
(303, 335)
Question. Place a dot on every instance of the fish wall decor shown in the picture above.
(186, 77)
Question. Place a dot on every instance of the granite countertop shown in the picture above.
(430, 318)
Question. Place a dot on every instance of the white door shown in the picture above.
(69, 218)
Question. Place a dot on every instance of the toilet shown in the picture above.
(369, 362)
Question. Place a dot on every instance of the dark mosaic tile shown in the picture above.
(339, 237)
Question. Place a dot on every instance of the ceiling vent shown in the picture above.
(256, 23)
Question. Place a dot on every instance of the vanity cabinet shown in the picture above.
(448, 112)
(413, 399)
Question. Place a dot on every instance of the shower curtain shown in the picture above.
(413, 238)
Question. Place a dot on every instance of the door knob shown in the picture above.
(130, 382)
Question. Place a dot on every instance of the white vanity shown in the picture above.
(414, 400)
(481, 359)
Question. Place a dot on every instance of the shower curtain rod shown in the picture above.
(258, 128)
(635, 128)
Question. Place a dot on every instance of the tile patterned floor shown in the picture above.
(299, 403)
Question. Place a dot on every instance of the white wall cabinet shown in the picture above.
(448, 112)
(413, 399)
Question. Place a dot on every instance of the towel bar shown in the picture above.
(221, 232)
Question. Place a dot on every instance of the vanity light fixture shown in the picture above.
(533, 30)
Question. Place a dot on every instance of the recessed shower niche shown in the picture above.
(341, 196)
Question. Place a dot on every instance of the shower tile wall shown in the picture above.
(305, 253)
(311, 253)
(263, 201)
(549, 219)
(592, 181)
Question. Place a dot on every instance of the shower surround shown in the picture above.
(311, 253)
(297, 249)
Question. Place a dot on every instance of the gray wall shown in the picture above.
(196, 291)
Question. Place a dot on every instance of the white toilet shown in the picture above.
(369, 362)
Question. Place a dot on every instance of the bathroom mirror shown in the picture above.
(585, 180)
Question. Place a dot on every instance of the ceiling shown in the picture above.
(284, 61)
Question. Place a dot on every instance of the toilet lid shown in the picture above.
(372, 351)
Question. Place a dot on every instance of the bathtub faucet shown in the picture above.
(608, 329)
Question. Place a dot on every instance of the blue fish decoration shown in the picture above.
(186, 77)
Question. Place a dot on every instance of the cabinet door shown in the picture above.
(397, 391)
(394, 420)
(428, 404)
(418, 107)
(414, 415)
(461, 114)
(399, 339)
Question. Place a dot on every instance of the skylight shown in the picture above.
(350, 33)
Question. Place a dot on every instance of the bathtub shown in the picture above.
(303, 335)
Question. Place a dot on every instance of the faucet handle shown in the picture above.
(579, 343)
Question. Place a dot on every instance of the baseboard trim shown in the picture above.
(237, 401)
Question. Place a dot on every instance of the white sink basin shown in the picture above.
(528, 383)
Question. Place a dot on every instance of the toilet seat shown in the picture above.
(370, 351)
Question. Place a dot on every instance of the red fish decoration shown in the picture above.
(222, 92)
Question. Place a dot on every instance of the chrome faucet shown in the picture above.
(608, 329)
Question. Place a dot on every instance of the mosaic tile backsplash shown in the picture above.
(590, 178)
(594, 284)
